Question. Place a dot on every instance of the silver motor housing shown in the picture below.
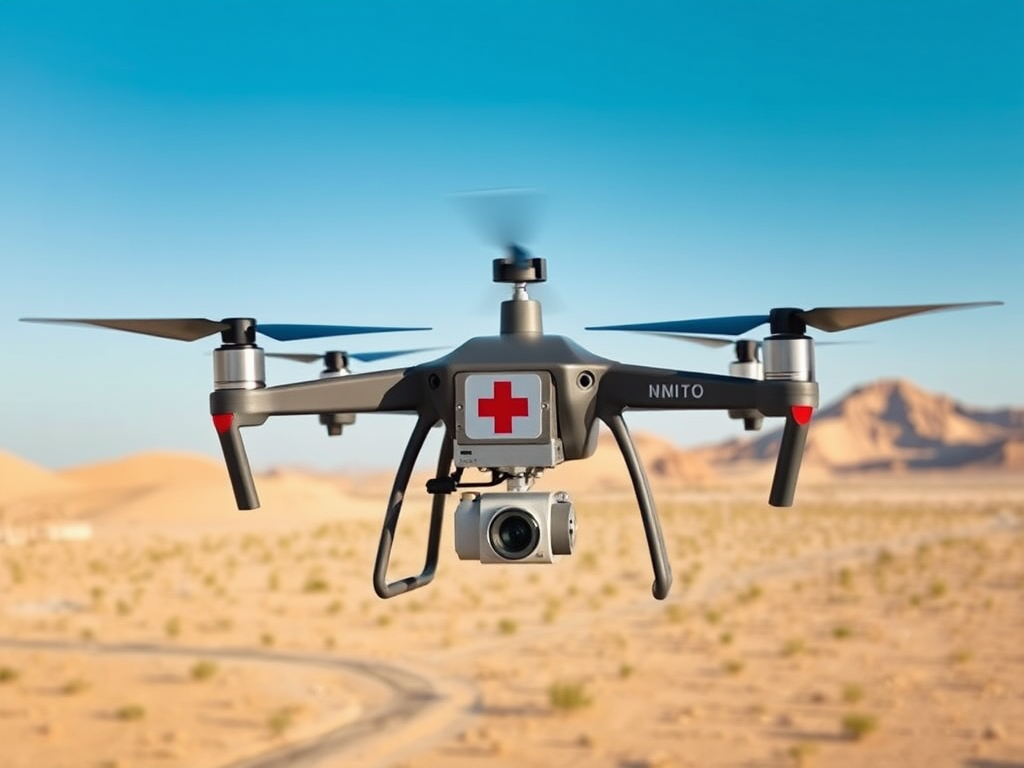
(516, 527)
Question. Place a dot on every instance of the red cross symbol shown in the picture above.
(502, 407)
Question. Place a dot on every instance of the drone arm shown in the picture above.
(236, 408)
(639, 387)
(648, 513)
(387, 534)
(627, 386)
(362, 393)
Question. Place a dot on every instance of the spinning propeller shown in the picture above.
(790, 320)
(507, 218)
(238, 363)
(233, 330)
(788, 353)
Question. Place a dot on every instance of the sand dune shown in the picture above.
(146, 469)
(21, 479)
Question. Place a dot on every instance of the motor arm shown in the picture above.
(629, 386)
(392, 390)
(640, 387)
(233, 409)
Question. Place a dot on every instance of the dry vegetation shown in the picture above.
(838, 633)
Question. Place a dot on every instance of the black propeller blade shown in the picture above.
(790, 320)
(833, 319)
(183, 328)
(193, 328)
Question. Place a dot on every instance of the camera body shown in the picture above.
(515, 527)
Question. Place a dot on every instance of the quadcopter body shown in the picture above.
(517, 404)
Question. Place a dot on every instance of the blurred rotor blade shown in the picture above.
(369, 357)
(504, 217)
(296, 357)
(722, 326)
(832, 319)
(295, 332)
(711, 341)
(706, 341)
(183, 328)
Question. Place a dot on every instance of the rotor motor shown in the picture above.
(788, 358)
(239, 367)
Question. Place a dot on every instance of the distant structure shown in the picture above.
(18, 534)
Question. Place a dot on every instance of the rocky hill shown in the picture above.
(895, 425)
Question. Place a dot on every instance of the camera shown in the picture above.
(515, 527)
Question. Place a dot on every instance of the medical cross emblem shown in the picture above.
(503, 406)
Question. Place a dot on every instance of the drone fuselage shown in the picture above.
(516, 403)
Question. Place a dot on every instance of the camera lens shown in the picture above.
(514, 533)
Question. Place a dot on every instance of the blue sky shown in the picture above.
(293, 161)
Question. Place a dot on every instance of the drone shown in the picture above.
(517, 404)
(336, 364)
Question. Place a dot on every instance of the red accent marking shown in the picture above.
(802, 413)
(222, 422)
(502, 407)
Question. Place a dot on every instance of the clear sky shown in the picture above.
(293, 161)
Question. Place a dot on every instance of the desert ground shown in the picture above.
(878, 622)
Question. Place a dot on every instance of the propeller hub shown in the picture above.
(335, 362)
(240, 330)
(746, 351)
(513, 269)
(787, 321)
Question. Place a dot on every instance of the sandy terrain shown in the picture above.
(878, 623)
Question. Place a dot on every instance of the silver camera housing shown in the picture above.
(516, 527)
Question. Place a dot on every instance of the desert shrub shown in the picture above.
(961, 656)
(8, 674)
(733, 666)
(793, 647)
(130, 712)
(801, 753)
(852, 693)
(203, 670)
(857, 725)
(568, 696)
(73, 686)
(507, 626)
(841, 631)
(675, 613)
(281, 720)
(315, 583)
